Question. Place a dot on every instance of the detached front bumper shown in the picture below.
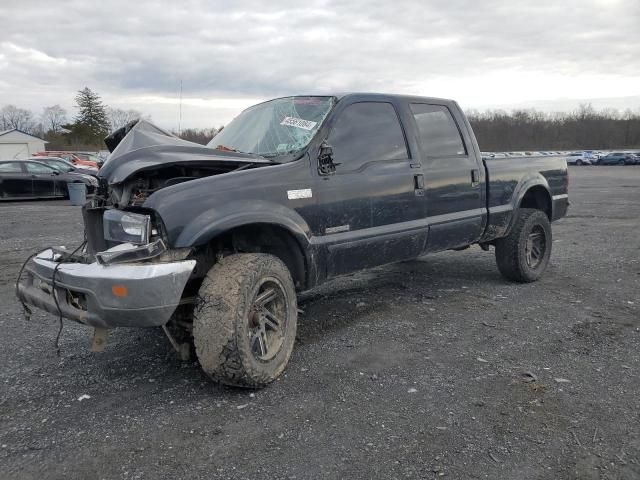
(123, 295)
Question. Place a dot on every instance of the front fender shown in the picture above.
(210, 223)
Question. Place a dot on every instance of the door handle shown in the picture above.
(418, 184)
(475, 177)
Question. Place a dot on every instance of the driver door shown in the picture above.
(372, 200)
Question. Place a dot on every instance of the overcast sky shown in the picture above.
(229, 55)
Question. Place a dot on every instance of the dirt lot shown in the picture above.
(426, 369)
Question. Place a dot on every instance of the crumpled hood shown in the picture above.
(141, 145)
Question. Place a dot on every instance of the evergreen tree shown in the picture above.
(91, 124)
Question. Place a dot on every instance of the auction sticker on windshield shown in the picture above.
(299, 123)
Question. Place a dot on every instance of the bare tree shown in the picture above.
(119, 118)
(38, 130)
(14, 117)
(53, 118)
(198, 135)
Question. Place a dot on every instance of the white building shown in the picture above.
(15, 144)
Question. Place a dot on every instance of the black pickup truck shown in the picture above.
(213, 242)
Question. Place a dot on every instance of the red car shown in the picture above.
(80, 159)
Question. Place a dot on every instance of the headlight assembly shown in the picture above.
(129, 227)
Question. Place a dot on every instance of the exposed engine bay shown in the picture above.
(145, 159)
(137, 188)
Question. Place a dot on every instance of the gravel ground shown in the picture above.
(426, 369)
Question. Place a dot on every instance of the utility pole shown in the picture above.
(180, 110)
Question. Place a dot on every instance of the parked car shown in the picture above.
(64, 165)
(23, 179)
(103, 155)
(293, 192)
(80, 160)
(488, 155)
(617, 158)
(90, 157)
(578, 158)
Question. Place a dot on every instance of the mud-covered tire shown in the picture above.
(225, 311)
(512, 251)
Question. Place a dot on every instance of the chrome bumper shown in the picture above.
(123, 295)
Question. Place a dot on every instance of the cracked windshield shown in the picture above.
(273, 128)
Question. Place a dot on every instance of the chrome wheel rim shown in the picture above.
(535, 247)
(267, 319)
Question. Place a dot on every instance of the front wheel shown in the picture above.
(524, 254)
(245, 318)
(579, 163)
(621, 162)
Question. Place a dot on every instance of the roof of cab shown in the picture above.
(382, 96)
(369, 96)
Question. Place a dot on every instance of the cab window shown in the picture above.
(438, 131)
(366, 132)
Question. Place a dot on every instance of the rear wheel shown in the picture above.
(621, 162)
(524, 254)
(579, 163)
(245, 320)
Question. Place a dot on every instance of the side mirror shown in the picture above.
(55, 172)
(326, 166)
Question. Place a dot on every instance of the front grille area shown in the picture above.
(93, 229)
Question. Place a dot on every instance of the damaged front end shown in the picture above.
(124, 274)
(131, 295)
(127, 274)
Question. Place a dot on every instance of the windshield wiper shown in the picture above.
(224, 148)
(227, 149)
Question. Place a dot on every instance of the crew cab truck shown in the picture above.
(216, 241)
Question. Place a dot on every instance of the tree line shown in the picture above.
(87, 130)
(584, 129)
(496, 130)
(93, 122)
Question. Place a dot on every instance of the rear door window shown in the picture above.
(33, 167)
(10, 167)
(438, 131)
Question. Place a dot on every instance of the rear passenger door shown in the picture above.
(43, 178)
(15, 182)
(373, 208)
(453, 177)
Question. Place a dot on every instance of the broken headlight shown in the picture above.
(127, 252)
(120, 226)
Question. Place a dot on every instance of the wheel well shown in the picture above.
(538, 197)
(261, 238)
